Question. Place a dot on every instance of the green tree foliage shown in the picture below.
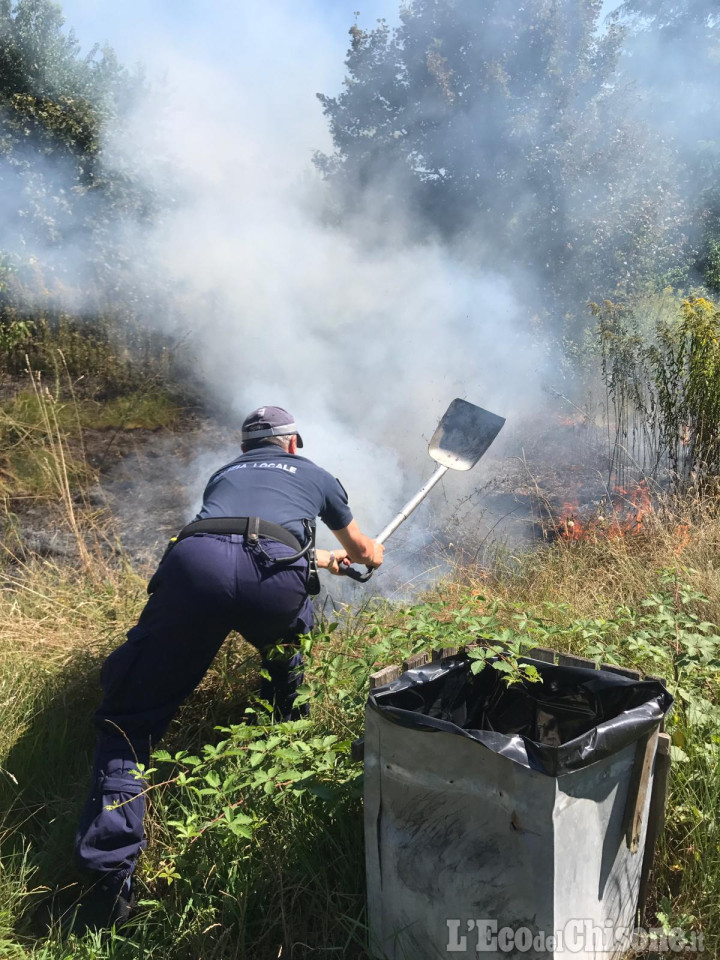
(676, 16)
(55, 189)
(674, 58)
(499, 124)
(663, 388)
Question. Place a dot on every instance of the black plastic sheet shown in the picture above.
(571, 718)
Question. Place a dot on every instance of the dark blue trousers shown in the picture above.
(207, 586)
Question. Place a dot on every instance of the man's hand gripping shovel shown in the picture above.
(461, 438)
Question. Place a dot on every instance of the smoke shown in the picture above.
(37, 208)
(674, 72)
(365, 332)
(365, 335)
(366, 344)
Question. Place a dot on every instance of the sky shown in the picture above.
(124, 24)
(315, 46)
(253, 45)
(134, 28)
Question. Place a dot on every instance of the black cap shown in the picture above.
(269, 422)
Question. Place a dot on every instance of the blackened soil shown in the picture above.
(142, 485)
(150, 483)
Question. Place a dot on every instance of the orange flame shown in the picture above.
(682, 532)
(574, 421)
(570, 526)
(627, 512)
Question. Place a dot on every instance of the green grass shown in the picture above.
(106, 356)
(298, 876)
(256, 846)
(24, 412)
(63, 377)
(44, 437)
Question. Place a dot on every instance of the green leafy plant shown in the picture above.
(13, 333)
(663, 390)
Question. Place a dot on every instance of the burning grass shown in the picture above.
(603, 565)
(620, 515)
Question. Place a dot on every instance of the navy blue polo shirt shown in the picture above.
(277, 486)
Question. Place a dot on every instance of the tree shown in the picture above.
(499, 125)
(55, 106)
(675, 16)
(674, 59)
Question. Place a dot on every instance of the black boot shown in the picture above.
(107, 903)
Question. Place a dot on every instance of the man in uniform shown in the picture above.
(239, 566)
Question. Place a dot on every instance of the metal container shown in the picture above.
(472, 852)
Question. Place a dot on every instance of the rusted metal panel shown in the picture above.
(444, 652)
(621, 671)
(637, 807)
(545, 654)
(570, 660)
(656, 816)
(417, 660)
(386, 675)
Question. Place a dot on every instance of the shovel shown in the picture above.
(461, 438)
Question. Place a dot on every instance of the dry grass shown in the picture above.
(42, 439)
(595, 575)
(50, 610)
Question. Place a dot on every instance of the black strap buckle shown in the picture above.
(252, 535)
(312, 581)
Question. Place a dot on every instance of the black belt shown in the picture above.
(253, 528)
(249, 527)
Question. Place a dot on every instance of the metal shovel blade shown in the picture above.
(461, 438)
(463, 435)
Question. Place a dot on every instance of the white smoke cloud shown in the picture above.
(365, 344)
(365, 336)
(674, 73)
